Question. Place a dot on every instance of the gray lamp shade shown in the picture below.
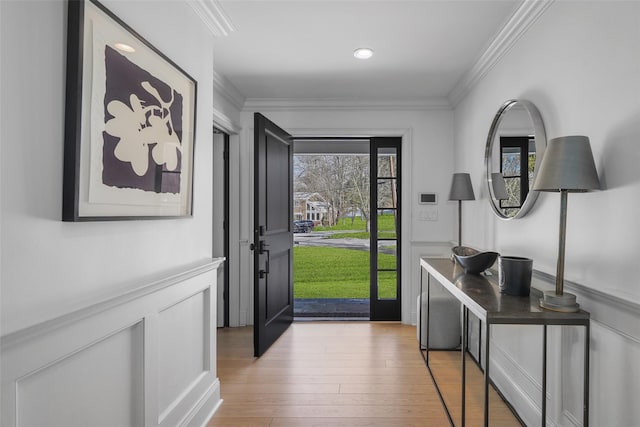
(461, 188)
(499, 186)
(567, 165)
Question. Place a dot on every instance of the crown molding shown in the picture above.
(224, 123)
(319, 104)
(527, 13)
(228, 91)
(213, 16)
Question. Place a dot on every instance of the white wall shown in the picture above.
(427, 167)
(52, 269)
(579, 63)
(583, 78)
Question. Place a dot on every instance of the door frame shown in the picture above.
(234, 225)
(408, 273)
(242, 310)
(226, 243)
(225, 218)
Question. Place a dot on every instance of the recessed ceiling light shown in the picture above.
(363, 53)
(124, 47)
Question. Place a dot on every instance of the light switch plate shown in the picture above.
(429, 213)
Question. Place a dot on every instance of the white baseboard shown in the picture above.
(211, 413)
(517, 385)
(205, 408)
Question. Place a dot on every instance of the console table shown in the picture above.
(481, 295)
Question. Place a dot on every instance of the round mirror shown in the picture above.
(513, 154)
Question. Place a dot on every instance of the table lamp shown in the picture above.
(461, 189)
(499, 186)
(567, 167)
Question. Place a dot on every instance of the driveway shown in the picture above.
(321, 238)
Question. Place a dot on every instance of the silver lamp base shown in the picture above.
(565, 303)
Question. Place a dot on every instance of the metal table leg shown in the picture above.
(420, 315)
(479, 341)
(463, 350)
(487, 337)
(544, 376)
(587, 339)
(428, 316)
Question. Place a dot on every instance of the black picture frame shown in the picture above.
(130, 123)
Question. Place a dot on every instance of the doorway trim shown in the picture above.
(406, 135)
(245, 217)
(220, 214)
(235, 263)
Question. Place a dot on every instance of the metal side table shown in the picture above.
(481, 295)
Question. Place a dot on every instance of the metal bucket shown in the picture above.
(514, 275)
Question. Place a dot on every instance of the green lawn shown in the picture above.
(386, 227)
(349, 235)
(361, 235)
(326, 272)
(345, 224)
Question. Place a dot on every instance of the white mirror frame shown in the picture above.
(540, 143)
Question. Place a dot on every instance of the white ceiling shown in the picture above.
(303, 49)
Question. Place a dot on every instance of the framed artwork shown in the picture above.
(129, 123)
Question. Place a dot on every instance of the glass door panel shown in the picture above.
(387, 289)
(386, 193)
(387, 261)
(385, 229)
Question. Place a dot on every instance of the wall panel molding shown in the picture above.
(183, 349)
(618, 314)
(138, 289)
(523, 388)
(612, 319)
(107, 356)
(74, 397)
(514, 381)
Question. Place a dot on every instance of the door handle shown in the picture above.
(263, 273)
(267, 261)
(262, 249)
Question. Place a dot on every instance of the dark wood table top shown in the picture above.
(481, 294)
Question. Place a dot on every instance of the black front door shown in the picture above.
(273, 236)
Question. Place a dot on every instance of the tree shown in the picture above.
(342, 180)
(359, 189)
(325, 175)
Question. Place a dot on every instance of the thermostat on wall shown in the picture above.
(427, 199)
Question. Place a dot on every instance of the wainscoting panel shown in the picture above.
(145, 358)
(614, 349)
(181, 348)
(100, 384)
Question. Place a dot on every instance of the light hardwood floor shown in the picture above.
(325, 374)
